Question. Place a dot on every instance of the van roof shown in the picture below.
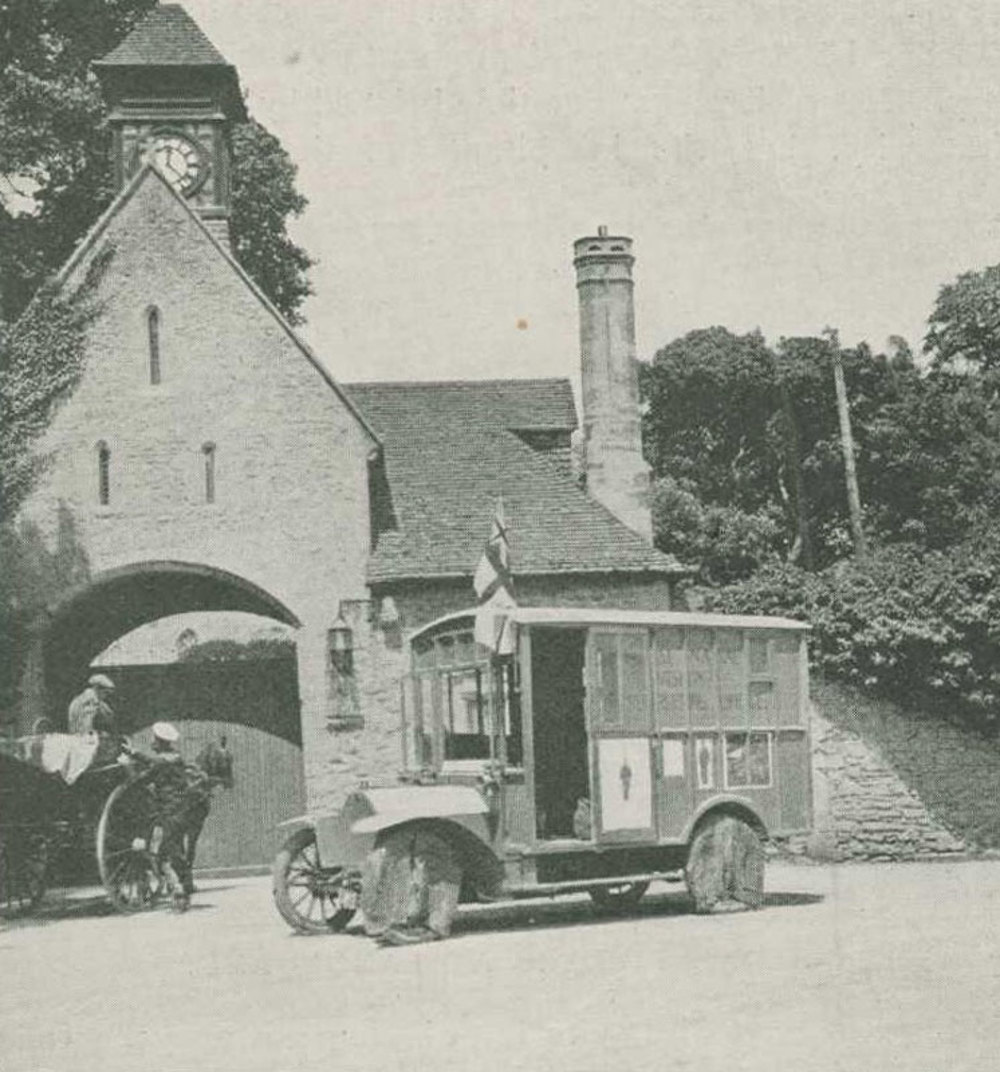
(583, 616)
(604, 616)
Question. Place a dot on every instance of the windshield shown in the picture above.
(456, 704)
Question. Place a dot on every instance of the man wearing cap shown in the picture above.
(91, 711)
(170, 778)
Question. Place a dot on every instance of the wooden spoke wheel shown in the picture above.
(311, 898)
(618, 898)
(725, 867)
(127, 837)
(24, 859)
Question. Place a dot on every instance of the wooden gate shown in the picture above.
(255, 704)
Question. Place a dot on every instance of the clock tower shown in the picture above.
(172, 97)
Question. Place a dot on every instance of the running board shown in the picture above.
(541, 889)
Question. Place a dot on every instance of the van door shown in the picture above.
(619, 722)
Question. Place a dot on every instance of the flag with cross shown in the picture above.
(494, 586)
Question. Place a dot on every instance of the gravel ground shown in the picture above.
(883, 967)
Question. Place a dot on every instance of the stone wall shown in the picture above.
(897, 785)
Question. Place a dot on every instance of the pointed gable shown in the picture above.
(160, 219)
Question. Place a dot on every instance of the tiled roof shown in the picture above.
(450, 451)
(166, 37)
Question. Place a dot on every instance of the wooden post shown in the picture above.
(847, 443)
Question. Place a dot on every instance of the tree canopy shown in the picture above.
(749, 433)
(55, 165)
(964, 326)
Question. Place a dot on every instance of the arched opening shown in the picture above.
(241, 685)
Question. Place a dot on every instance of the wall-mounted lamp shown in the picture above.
(340, 645)
(388, 613)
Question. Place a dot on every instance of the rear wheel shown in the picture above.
(127, 837)
(618, 898)
(24, 857)
(311, 898)
(725, 867)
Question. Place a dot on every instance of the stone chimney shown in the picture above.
(616, 473)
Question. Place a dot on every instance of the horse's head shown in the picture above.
(216, 761)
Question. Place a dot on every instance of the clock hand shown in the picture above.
(168, 166)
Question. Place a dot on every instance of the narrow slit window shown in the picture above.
(153, 332)
(208, 450)
(103, 473)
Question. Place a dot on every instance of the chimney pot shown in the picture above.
(602, 231)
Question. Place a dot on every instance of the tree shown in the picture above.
(55, 174)
(709, 397)
(933, 460)
(264, 197)
(41, 360)
(964, 326)
(744, 427)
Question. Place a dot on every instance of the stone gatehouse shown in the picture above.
(209, 461)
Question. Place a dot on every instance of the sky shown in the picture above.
(786, 166)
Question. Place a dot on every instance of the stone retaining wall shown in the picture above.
(895, 785)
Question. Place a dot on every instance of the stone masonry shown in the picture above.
(287, 488)
(868, 804)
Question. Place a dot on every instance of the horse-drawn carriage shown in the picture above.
(61, 793)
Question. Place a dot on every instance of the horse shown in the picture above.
(212, 769)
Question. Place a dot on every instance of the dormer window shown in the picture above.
(153, 338)
(208, 451)
(103, 473)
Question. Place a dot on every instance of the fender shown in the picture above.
(727, 802)
(346, 837)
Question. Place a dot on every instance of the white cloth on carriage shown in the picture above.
(65, 754)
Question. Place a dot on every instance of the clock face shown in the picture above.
(180, 160)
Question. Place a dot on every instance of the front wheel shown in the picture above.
(309, 897)
(725, 867)
(411, 885)
(618, 898)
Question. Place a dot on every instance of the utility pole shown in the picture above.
(847, 444)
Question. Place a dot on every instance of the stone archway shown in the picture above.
(254, 704)
(117, 601)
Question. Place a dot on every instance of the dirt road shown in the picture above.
(853, 968)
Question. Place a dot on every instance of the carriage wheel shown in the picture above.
(127, 838)
(24, 858)
(618, 898)
(725, 867)
(311, 898)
